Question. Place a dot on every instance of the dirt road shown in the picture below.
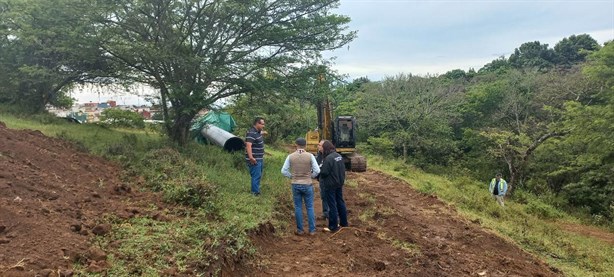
(395, 231)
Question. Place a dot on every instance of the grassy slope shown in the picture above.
(197, 241)
(200, 234)
(531, 224)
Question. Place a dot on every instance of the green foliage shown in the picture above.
(533, 55)
(46, 46)
(499, 65)
(380, 145)
(177, 177)
(542, 210)
(194, 67)
(574, 49)
(285, 118)
(413, 112)
(116, 117)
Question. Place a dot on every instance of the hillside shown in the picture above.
(63, 212)
(54, 200)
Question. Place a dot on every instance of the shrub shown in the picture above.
(122, 118)
(542, 210)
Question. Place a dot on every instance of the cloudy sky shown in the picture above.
(433, 37)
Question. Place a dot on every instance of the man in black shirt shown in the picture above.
(332, 178)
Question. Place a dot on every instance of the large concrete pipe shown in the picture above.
(222, 138)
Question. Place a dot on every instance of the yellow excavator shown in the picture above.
(341, 132)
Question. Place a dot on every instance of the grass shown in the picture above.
(531, 223)
(214, 210)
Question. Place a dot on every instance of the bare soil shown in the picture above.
(53, 200)
(589, 231)
(403, 233)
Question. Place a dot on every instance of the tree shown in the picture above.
(498, 65)
(45, 48)
(511, 123)
(533, 55)
(199, 51)
(574, 49)
(589, 145)
(413, 112)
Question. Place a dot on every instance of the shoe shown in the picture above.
(299, 233)
(322, 217)
(256, 193)
(312, 233)
(328, 230)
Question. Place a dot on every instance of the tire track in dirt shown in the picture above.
(403, 233)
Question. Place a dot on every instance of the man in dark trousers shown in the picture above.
(254, 146)
(332, 178)
(320, 160)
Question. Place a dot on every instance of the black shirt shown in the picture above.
(332, 173)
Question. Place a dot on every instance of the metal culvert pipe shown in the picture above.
(222, 138)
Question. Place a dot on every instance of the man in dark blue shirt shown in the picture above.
(254, 145)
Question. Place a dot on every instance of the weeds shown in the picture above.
(526, 219)
(208, 188)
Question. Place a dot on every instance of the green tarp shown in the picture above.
(222, 120)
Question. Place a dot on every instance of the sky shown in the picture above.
(436, 36)
(433, 37)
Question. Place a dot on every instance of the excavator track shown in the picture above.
(358, 163)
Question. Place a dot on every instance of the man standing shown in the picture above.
(332, 178)
(254, 145)
(320, 160)
(301, 167)
(498, 188)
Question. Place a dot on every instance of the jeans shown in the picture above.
(324, 204)
(255, 170)
(336, 208)
(302, 193)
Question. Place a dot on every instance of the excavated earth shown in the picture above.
(401, 232)
(53, 202)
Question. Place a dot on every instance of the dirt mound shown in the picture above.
(53, 201)
(395, 231)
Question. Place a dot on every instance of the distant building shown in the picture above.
(145, 114)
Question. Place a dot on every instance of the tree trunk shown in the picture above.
(179, 130)
(404, 152)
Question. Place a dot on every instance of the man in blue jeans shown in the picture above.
(254, 146)
(301, 167)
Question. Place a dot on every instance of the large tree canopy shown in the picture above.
(45, 47)
(199, 51)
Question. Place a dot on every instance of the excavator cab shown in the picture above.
(342, 133)
(345, 133)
